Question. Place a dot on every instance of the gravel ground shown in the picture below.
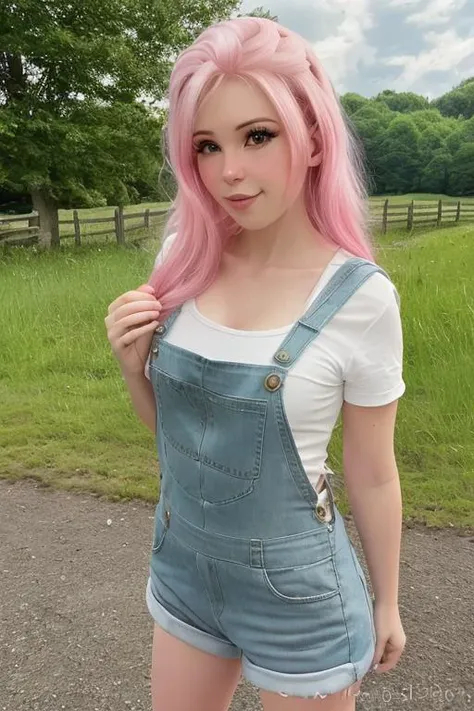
(75, 632)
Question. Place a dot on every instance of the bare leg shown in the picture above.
(184, 678)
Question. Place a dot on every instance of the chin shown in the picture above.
(254, 225)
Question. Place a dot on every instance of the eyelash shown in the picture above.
(253, 132)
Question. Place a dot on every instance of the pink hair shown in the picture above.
(283, 65)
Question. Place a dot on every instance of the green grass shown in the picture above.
(67, 419)
(424, 197)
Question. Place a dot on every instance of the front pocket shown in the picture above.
(212, 443)
(305, 583)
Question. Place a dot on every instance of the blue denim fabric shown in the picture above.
(245, 563)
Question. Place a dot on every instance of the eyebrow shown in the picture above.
(241, 125)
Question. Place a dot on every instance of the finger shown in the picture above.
(135, 333)
(124, 324)
(130, 297)
(134, 307)
(146, 287)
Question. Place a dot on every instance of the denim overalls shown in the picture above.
(246, 562)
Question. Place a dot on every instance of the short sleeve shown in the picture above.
(374, 373)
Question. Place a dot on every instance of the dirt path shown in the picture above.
(75, 632)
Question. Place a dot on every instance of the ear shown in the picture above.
(316, 153)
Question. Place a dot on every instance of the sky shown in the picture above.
(366, 46)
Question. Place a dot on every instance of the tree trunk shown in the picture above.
(47, 209)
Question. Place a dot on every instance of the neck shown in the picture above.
(290, 242)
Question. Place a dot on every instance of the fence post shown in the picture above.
(440, 213)
(147, 218)
(122, 224)
(410, 215)
(77, 228)
(35, 222)
(385, 217)
(458, 212)
(119, 226)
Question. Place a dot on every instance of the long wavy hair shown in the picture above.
(282, 64)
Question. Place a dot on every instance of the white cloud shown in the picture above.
(344, 50)
(447, 51)
(437, 12)
(430, 12)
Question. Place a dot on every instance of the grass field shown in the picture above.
(66, 416)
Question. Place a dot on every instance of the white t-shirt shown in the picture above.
(357, 357)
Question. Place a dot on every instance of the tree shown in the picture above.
(404, 102)
(459, 102)
(352, 102)
(435, 176)
(462, 171)
(79, 89)
(370, 123)
(261, 12)
(400, 148)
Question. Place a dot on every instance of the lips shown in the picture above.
(240, 196)
(242, 202)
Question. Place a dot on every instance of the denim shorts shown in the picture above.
(296, 610)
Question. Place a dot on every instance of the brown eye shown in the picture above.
(261, 136)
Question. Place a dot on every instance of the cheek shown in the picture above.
(272, 168)
(209, 174)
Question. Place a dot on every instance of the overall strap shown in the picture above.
(171, 319)
(345, 282)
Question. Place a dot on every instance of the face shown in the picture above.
(242, 150)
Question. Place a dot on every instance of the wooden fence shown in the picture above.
(117, 225)
(422, 212)
(383, 214)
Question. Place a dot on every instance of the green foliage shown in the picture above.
(404, 102)
(260, 12)
(352, 102)
(412, 145)
(74, 79)
(81, 106)
(459, 102)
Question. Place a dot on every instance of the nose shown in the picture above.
(233, 170)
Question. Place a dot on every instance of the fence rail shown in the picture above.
(439, 212)
(383, 214)
(117, 227)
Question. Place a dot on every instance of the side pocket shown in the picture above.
(159, 534)
(365, 587)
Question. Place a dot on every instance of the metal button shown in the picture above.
(167, 518)
(160, 330)
(321, 512)
(154, 350)
(283, 356)
(272, 382)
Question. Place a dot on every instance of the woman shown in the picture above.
(265, 317)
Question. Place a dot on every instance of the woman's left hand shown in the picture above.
(390, 637)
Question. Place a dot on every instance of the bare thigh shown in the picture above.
(342, 701)
(183, 677)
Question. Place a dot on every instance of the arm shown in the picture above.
(373, 489)
(143, 398)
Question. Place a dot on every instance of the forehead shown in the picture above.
(235, 101)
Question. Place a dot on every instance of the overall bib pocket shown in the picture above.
(213, 443)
